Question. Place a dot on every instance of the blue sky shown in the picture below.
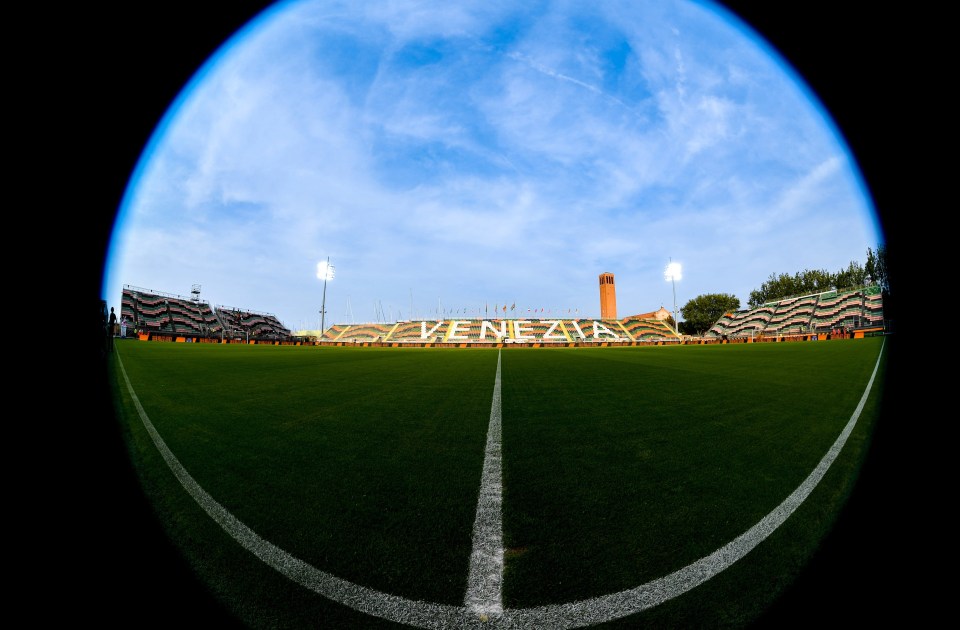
(466, 155)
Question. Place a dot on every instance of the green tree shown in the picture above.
(852, 277)
(778, 287)
(875, 268)
(703, 311)
(782, 286)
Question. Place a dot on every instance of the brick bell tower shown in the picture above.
(608, 297)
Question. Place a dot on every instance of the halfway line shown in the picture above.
(484, 595)
(484, 598)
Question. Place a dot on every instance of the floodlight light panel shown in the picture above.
(672, 272)
(325, 271)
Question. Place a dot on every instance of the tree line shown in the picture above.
(703, 311)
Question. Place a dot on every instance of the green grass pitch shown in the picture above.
(620, 465)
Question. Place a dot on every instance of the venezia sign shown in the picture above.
(518, 330)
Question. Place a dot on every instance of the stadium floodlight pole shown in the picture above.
(673, 274)
(325, 272)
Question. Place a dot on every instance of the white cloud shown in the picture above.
(473, 152)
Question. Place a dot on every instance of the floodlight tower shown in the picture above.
(325, 272)
(673, 274)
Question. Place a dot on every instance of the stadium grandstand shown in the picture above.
(165, 316)
(849, 313)
(472, 331)
(154, 315)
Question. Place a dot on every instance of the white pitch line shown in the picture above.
(615, 605)
(484, 595)
(367, 600)
(570, 615)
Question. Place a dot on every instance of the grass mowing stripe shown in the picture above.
(363, 462)
(485, 583)
(628, 602)
(370, 601)
(640, 461)
(574, 614)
